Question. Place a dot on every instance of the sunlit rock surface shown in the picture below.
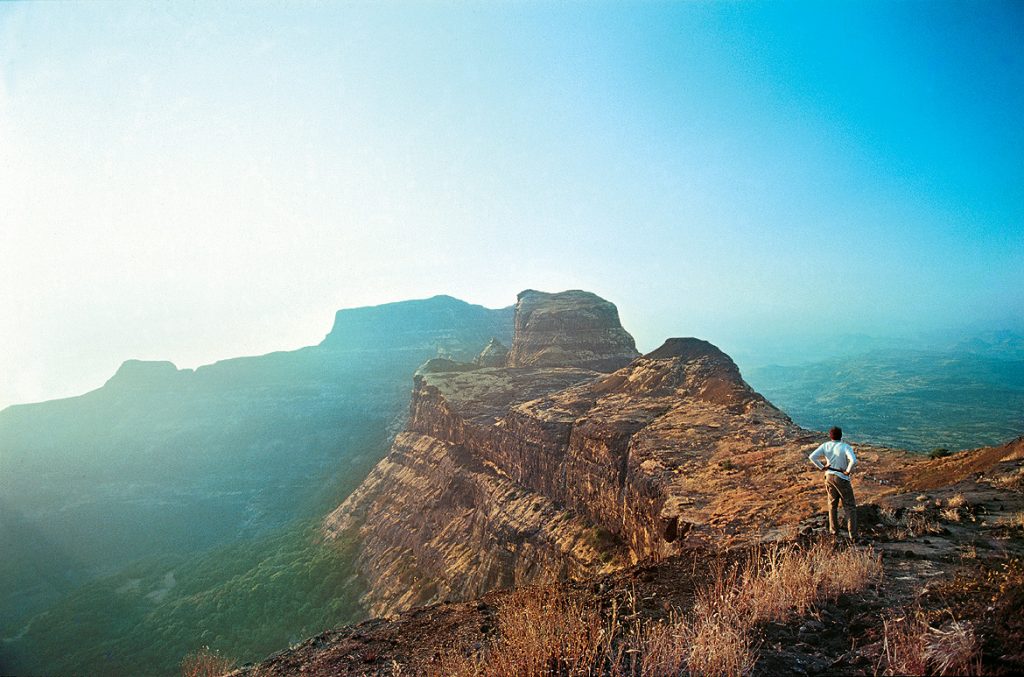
(569, 329)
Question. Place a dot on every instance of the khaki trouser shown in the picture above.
(839, 489)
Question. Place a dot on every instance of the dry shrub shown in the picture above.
(660, 647)
(956, 501)
(903, 645)
(785, 580)
(953, 649)
(910, 646)
(1014, 520)
(916, 522)
(205, 663)
(950, 514)
(718, 645)
(969, 552)
(775, 584)
(545, 632)
(1013, 481)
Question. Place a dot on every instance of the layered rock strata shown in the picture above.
(508, 474)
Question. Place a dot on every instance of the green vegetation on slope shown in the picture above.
(153, 515)
(245, 600)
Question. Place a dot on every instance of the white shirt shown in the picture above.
(838, 455)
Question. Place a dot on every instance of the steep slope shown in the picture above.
(174, 461)
(511, 474)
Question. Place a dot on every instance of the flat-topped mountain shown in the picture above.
(145, 374)
(440, 323)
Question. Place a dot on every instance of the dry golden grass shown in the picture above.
(953, 649)
(1014, 480)
(778, 583)
(1016, 520)
(544, 632)
(950, 514)
(917, 522)
(660, 648)
(903, 646)
(205, 663)
(956, 501)
(910, 646)
(717, 645)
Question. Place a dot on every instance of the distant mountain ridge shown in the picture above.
(460, 329)
(161, 459)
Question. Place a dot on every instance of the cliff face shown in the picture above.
(551, 467)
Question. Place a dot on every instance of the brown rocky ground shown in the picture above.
(950, 554)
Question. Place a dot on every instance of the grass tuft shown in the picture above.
(1016, 520)
(956, 501)
(950, 514)
(205, 663)
(1013, 481)
(910, 646)
(953, 649)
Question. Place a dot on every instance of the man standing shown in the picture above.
(839, 460)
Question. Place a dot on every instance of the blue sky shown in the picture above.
(193, 181)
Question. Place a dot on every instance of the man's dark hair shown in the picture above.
(835, 433)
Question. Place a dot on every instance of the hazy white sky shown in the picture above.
(195, 181)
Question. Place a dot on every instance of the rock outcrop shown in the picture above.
(550, 466)
(569, 329)
(146, 374)
(494, 354)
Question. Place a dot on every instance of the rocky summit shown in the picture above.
(569, 329)
(551, 466)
